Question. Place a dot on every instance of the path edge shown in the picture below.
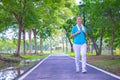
(28, 72)
(104, 71)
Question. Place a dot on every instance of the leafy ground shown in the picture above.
(104, 62)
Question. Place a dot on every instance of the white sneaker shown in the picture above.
(77, 69)
(84, 71)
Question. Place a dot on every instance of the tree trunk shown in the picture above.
(35, 41)
(41, 46)
(95, 46)
(63, 43)
(100, 49)
(113, 33)
(30, 41)
(93, 40)
(24, 49)
(71, 45)
(88, 46)
(112, 53)
(19, 37)
(92, 49)
(50, 46)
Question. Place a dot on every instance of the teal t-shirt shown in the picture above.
(79, 38)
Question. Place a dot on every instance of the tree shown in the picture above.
(103, 22)
(20, 9)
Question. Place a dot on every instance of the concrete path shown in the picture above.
(61, 67)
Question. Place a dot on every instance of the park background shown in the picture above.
(33, 29)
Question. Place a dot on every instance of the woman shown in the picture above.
(79, 44)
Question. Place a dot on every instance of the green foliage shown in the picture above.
(117, 52)
(39, 14)
(102, 19)
(5, 20)
(7, 45)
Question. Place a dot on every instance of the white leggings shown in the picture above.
(80, 49)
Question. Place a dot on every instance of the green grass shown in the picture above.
(57, 51)
(73, 54)
(10, 57)
(33, 56)
(105, 62)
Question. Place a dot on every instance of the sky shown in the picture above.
(77, 1)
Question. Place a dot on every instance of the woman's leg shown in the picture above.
(83, 54)
(77, 56)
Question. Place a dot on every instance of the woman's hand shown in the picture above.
(72, 35)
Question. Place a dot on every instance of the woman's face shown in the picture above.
(79, 20)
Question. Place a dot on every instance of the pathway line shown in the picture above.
(27, 73)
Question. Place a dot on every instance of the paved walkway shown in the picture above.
(61, 67)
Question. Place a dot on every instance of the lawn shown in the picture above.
(105, 62)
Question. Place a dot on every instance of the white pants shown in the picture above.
(80, 49)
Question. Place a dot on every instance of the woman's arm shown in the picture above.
(72, 35)
(84, 33)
